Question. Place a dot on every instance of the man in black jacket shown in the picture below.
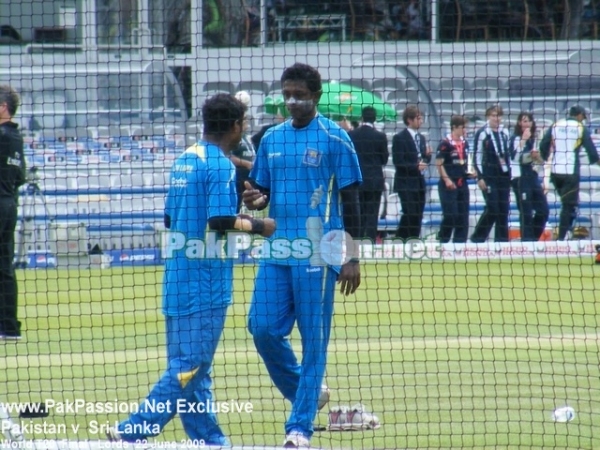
(12, 175)
(411, 155)
(372, 150)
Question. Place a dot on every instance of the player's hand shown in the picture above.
(253, 198)
(349, 279)
(482, 185)
(270, 227)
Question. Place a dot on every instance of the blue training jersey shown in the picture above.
(304, 169)
(197, 276)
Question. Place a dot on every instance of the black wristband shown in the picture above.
(354, 260)
(258, 226)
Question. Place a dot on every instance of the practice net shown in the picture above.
(476, 321)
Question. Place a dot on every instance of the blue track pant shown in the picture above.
(191, 344)
(284, 295)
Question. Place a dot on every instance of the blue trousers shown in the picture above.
(284, 295)
(497, 203)
(191, 344)
(530, 197)
(455, 208)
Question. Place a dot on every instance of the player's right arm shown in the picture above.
(256, 195)
(480, 136)
(478, 158)
(439, 162)
(589, 146)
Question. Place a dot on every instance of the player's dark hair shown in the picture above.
(220, 113)
(494, 109)
(457, 121)
(9, 96)
(518, 130)
(410, 113)
(369, 114)
(303, 72)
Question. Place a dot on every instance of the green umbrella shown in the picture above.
(275, 105)
(341, 101)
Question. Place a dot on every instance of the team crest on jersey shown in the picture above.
(312, 157)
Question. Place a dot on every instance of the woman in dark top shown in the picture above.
(531, 200)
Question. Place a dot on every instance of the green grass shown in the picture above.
(448, 355)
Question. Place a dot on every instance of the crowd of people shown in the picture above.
(497, 162)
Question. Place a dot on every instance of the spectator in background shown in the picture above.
(525, 181)
(560, 146)
(414, 21)
(372, 149)
(213, 31)
(345, 125)
(411, 155)
(12, 176)
(197, 291)
(492, 164)
(243, 155)
(452, 164)
(257, 137)
(398, 18)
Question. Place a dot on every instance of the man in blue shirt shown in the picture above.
(307, 171)
(200, 209)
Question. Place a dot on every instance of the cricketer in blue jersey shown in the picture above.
(200, 208)
(307, 171)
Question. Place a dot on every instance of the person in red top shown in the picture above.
(452, 164)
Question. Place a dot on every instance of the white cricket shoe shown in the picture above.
(296, 439)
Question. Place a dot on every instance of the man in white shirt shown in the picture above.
(560, 147)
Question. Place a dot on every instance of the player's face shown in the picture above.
(525, 123)
(495, 120)
(4, 111)
(237, 133)
(416, 123)
(300, 101)
(459, 132)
